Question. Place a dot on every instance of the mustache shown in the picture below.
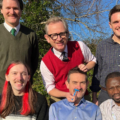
(19, 80)
(59, 42)
(12, 15)
(80, 90)
(115, 95)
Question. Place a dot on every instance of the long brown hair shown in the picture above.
(7, 104)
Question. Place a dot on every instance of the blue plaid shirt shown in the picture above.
(64, 110)
(108, 60)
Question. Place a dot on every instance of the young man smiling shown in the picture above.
(17, 42)
(108, 57)
(18, 100)
(80, 109)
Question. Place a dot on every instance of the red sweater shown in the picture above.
(60, 68)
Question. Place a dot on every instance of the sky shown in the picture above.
(78, 31)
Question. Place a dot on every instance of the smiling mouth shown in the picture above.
(19, 82)
(12, 16)
(116, 96)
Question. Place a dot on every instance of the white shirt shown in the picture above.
(9, 28)
(110, 110)
(48, 77)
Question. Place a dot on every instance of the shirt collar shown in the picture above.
(82, 101)
(113, 104)
(111, 40)
(58, 54)
(9, 28)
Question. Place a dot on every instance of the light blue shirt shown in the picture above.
(64, 110)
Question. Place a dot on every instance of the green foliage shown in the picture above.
(34, 14)
(92, 44)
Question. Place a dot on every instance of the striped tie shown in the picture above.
(65, 59)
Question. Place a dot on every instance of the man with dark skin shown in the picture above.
(111, 108)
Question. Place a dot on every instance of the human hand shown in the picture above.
(70, 97)
(83, 67)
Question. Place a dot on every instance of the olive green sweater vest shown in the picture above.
(21, 47)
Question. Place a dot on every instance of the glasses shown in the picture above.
(55, 36)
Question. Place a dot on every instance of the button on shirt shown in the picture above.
(108, 60)
(110, 110)
(48, 77)
(64, 110)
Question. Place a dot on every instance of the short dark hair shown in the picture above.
(75, 70)
(112, 75)
(115, 9)
(20, 3)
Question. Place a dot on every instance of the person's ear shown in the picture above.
(110, 25)
(7, 77)
(67, 84)
(47, 38)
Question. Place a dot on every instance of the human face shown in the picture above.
(11, 12)
(18, 78)
(60, 43)
(115, 24)
(113, 89)
(77, 81)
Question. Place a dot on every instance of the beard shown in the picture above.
(117, 100)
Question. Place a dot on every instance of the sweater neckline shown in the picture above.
(9, 34)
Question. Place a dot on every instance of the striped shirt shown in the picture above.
(110, 110)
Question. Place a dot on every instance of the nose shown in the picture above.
(59, 38)
(116, 91)
(11, 11)
(79, 86)
(19, 76)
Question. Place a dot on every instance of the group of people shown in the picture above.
(63, 70)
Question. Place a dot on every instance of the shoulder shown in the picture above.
(104, 42)
(72, 42)
(82, 44)
(92, 105)
(40, 98)
(106, 104)
(47, 55)
(59, 103)
(1, 25)
(26, 30)
(41, 102)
